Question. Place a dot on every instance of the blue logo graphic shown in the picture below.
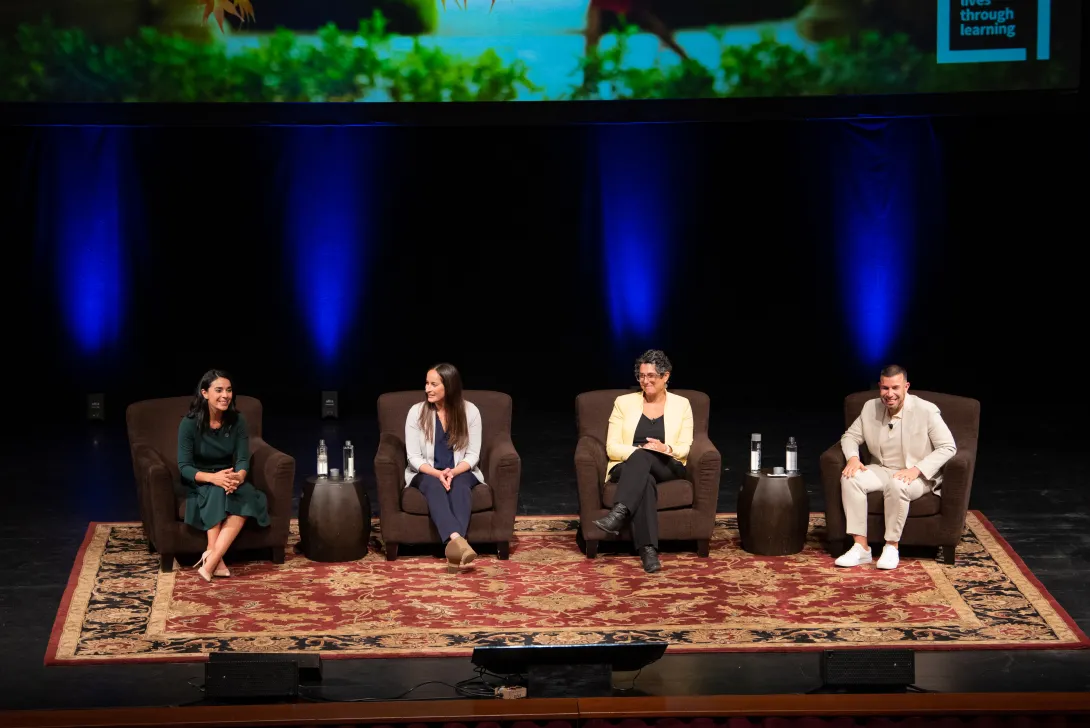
(986, 20)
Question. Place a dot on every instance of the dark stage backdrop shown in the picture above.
(778, 264)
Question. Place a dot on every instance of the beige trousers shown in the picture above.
(896, 494)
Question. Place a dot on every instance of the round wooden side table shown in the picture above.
(773, 513)
(334, 519)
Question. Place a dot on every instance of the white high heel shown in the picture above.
(221, 568)
(199, 566)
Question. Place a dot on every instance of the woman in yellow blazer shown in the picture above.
(650, 433)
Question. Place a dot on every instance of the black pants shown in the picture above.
(637, 489)
(449, 510)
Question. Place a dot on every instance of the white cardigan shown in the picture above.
(420, 450)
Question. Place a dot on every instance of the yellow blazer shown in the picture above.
(626, 415)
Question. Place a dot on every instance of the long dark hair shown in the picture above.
(198, 408)
(457, 425)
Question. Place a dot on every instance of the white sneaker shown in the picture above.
(854, 556)
(890, 557)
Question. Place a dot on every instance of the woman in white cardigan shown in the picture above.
(443, 447)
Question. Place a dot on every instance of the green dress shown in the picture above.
(207, 505)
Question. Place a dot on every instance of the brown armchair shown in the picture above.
(153, 442)
(932, 520)
(403, 512)
(686, 507)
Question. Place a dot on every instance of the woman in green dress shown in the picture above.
(214, 461)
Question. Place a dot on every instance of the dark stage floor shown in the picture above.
(56, 484)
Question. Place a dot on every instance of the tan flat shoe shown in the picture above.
(468, 554)
(459, 554)
(453, 552)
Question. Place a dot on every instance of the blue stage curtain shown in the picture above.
(884, 175)
(327, 203)
(88, 211)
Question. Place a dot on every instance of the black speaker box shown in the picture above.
(569, 681)
(259, 675)
(310, 663)
(893, 668)
(330, 408)
(96, 406)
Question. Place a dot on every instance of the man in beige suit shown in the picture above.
(908, 444)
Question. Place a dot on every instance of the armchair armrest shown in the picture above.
(703, 469)
(390, 463)
(504, 465)
(590, 473)
(833, 463)
(273, 473)
(504, 475)
(957, 483)
(156, 487)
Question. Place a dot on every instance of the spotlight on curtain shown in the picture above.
(327, 203)
(877, 175)
(81, 229)
(635, 202)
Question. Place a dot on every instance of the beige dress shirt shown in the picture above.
(892, 453)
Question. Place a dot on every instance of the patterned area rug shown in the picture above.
(118, 608)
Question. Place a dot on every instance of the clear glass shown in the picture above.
(792, 455)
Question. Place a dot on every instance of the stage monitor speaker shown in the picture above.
(568, 671)
(310, 663)
(868, 668)
(329, 404)
(96, 406)
(245, 676)
(569, 681)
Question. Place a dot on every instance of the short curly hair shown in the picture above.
(656, 357)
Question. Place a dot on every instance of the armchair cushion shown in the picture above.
(672, 494)
(413, 501)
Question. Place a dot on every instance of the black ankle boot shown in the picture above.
(613, 521)
(649, 555)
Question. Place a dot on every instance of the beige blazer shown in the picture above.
(626, 415)
(925, 439)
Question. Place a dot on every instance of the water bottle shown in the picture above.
(349, 460)
(792, 456)
(323, 460)
(755, 453)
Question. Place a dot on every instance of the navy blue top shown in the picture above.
(444, 456)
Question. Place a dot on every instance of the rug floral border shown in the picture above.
(1003, 606)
